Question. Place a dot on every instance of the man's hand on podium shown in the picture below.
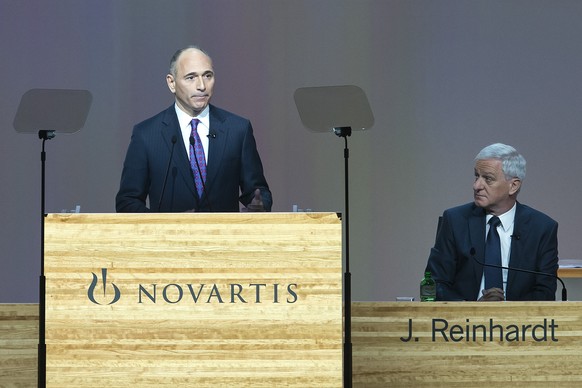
(256, 205)
(492, 295)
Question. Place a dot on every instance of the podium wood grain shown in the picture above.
(380, 358)
(205, 300)
(18, 345)
(383, 359)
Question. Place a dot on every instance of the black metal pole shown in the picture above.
(347, 282)
(44, 135)
(345, 132)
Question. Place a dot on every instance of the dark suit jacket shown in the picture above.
(234, 168)
(533, 247)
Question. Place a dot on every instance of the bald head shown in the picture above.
(191, 80)
(178, 53)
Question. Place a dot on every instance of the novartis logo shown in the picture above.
(93, 287)
(192, 292)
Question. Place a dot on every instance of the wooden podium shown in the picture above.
(467, 344)
(380, 357)
(232, 299)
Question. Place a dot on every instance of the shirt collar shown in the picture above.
(184, 119)
(506, 218)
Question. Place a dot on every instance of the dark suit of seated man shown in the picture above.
(528, 238)
(159, 164)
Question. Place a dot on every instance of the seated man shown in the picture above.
(520, 237)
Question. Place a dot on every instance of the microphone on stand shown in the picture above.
(192, 143)
(564, 291)
(174, 139)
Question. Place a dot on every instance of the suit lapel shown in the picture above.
(516, 254)
(216, 147)
(477, 238)
(172, 128)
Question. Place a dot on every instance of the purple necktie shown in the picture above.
(197, 154)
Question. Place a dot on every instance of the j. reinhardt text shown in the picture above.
(443, 330)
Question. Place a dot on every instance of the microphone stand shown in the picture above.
(345, 132)
(44, 135)
(174, 139)
(39, 110)
(564, 291)
(341, 108)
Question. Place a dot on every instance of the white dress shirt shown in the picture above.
(505, 230)
(203, 128)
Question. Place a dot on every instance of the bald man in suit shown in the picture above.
(157, 166)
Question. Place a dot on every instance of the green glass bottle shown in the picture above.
(427, 288)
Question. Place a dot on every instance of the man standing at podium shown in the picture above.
(497, 231)
(193, 156)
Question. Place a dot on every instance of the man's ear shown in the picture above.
(515, 186)
(171, 83)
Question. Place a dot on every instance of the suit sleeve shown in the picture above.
(443, 263)
(252, 174)
(544, 287)
(135, 181)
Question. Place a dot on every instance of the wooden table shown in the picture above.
(548, 355)
(570, 268)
